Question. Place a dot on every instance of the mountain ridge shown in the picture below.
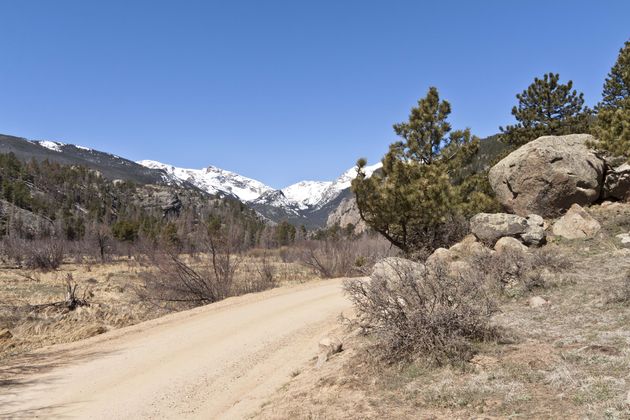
(305, 202)
(296, 203)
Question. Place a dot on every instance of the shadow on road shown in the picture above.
(36, 369)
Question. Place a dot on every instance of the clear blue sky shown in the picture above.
(283, 90)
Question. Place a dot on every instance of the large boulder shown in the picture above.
(440, 256)
(624, 238)
(509, 244)
(469, 246)
(576, 224)
(546, 176)
(617, 183)
(393, 268)
(535, 232)
(490, 227)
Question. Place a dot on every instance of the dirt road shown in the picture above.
(218, 361)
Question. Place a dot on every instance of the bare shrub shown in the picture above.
(45, 254)
(205, 279)
(515, 271)
(428, 314)
(42, 254)
(72, 301)
(11, 250)
(328, 258)
(265, 278)
(201, 278)
(343, 258)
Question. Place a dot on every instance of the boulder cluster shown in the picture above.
(543, 187)
(552, 177)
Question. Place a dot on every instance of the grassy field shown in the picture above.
(111, 290)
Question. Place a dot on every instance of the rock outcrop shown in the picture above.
(347, 213)
(23, 222)
(490, 227)
(173, 207)
(509, 244)
(395, 267)
(469, 246)
(617, 183)
(576, 224)
(328, 346)
(624, 238)
(548, 175)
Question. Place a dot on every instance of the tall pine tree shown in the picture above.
(547, 107)
(613, 112)
(417, 200)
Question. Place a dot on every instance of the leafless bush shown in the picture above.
(428, 314)
(45, 254)
(198, 279)
(264, 279)
(42, 254)
(72, 301)
(205, 279)
(342, 258)
(328, 258)
(515, 271)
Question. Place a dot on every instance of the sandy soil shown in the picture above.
(219, 361)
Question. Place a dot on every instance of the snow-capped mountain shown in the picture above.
(306, 202)
(306, 194)
(302, 195)
(107, 164)
(297, 202)
(57, 146)
(343, 183)
(214, 180)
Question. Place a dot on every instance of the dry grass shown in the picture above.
(111, 289)
(567, 359)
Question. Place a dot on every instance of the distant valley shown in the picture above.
(307, 203)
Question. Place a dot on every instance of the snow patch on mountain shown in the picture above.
(344, 182)
(51, 145)
(306, 194)
(277, 199)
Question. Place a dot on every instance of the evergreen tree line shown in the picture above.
(40, 200)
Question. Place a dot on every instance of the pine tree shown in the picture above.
(613, 112)
(416, 201)
(617, 84)
(547, 107)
